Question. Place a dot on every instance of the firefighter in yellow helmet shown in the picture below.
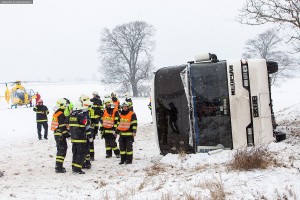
(61, 132)
(127, 130)
(108, 126)
(78, 124)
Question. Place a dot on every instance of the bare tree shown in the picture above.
(126, 54)
(266, 45)
(285, 13)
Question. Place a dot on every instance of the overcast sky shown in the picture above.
(54, 39)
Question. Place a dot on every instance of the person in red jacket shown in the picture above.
(37, 98)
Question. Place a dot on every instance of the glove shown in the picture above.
(67, 134)
(102, 136)
(61, 138)
(91, 139)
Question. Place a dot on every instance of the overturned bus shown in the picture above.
(210, 104)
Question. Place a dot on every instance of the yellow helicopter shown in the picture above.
(18, 95)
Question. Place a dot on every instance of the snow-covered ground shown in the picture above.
(27, 164)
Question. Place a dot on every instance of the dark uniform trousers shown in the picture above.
(39, 126)
(79, 152)
(126, 150)
(111, 144)
(94, 121)
(62, 146)
(87, 160)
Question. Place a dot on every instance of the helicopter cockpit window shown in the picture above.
(20, 94)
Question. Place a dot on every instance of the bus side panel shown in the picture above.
(239, 104)
(261, 111)
(153, 110)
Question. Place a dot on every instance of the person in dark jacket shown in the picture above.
(87, 109)
(61, 132)
(78, 124)
(41, 119)
(127, 130)
(95, 114)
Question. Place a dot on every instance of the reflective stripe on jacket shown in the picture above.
(125, 121)
(108, 120)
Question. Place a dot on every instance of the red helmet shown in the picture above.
(40, 102)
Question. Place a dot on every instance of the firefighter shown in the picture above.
(78, 124)
(41, 118)
(150, 106)
(127, 130)
(107, 128)
(95, 114)
(115, 100)
(59, 127)
(86, 103)
(129, 100)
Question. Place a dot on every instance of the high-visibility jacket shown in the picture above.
(108, 119)
(109, 112)
(61, 123)
(128, 123)
(78, 123)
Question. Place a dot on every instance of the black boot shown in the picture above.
(128, 159)
(123, 159)
(59, 168)
(87, 165)
(117, 153)
(92, 154)
(78, 170)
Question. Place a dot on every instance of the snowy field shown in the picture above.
(27, 164)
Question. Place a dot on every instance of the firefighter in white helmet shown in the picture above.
(127, 130)
(59, 126)
(87, 104)
(128, 99)
(108, 126)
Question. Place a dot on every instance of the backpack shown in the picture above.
(54, 123)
